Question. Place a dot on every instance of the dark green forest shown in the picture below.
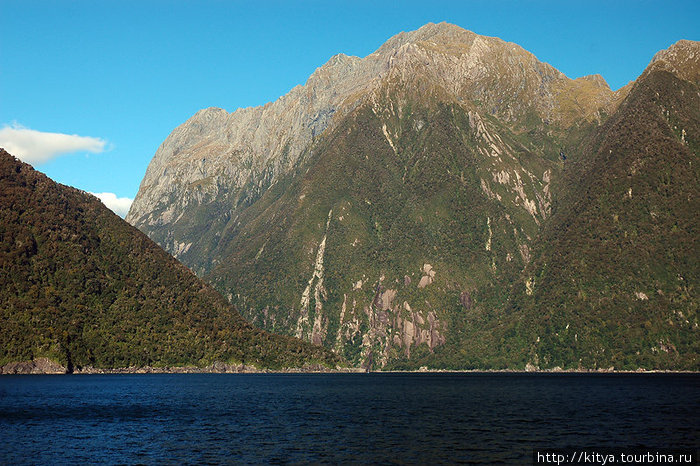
(81, 286)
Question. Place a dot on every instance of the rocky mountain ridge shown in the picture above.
(216, 155)
(681, 59)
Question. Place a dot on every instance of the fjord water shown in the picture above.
(301, 418)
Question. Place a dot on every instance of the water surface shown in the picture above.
(301, 418)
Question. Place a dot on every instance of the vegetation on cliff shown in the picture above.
(615, 274)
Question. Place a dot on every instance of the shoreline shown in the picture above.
(45, 366)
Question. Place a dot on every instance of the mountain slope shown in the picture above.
(615, 274)
(376, 245)
(81, 286)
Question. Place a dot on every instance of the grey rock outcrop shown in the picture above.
(35, 366)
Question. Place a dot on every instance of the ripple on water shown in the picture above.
(327, 418)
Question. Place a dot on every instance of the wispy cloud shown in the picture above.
(37, 147)
(118, 205)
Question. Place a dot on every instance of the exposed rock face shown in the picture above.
(356, 210)
(36, 366)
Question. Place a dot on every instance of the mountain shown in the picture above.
(83, 288)
(215, 165)
(393, 207)
(614, 277)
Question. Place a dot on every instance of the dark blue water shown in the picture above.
(377, 418)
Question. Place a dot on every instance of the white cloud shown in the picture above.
(37, 147)
(118, 205)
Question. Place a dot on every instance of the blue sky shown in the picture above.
(123, 74)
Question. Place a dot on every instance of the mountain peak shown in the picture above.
(681, 59)
(441, 29)
(420, 173)
(596, 79)
(439, 33)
